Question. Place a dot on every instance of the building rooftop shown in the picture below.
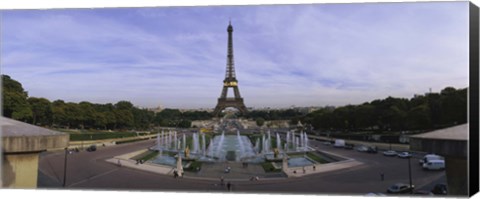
(22, 137)
(12, 127)
(459, 133)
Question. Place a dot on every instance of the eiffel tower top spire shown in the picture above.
(230, 74)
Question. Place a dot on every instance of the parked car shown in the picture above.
(371, 149)
(440, 189)
(362, 148)
(404, 155)
(400, 188)
(434, 165)
(339, 143)
(428, 157)
(92, 148)
(390, 153)
(348, 146)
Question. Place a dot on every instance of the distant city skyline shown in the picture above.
(301, 55)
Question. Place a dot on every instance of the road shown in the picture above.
(88, 170)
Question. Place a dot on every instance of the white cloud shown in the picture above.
(284, 55)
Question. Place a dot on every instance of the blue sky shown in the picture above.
(302, 55)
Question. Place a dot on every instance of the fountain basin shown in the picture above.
(299, 162)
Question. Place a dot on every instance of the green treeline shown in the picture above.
(85, 115)
(422, 112)
(287, 114)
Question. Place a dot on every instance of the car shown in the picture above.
(400, 188)
(404, 155)
(339, 143)
(440, 189)
(434, 165)
(371, 149)
(348, 146)
(428, 157)
(92, 148)
(362, 148)
(390, 153)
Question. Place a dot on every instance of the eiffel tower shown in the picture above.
(230, 82)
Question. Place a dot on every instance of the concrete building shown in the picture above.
(452, 143)
(21, 145)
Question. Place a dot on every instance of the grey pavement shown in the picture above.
(212, 170)
(89, 170)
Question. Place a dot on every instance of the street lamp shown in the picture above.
(410, 175)
(65, 168)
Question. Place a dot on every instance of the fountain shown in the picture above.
(263, 144)
(204, 145)
(158, 141)
(257, 145)
(175, 141)
(169, 139)
(237, 146)
(240, 141)
(279, 145)
(195, 143)
(184, 142)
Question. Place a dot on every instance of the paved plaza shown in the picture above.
(90, 170)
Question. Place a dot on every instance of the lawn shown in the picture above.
(316, 158)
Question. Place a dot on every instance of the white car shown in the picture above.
(429, 157)
(361, 148)
(404, 155)
(390, 153)
(434, 165)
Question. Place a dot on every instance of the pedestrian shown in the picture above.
(221, 181)
(304, 171)
(229, 186)
(119, 163)
(382, 176)
(314, 167)
(175, 174)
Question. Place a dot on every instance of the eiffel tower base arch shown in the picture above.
(224, 103)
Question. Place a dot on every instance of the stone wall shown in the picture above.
(20, 170)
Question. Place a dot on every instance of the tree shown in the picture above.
(73, 115)
(142, 118)
(15, 104)
(454, 106)
(59, 117)
(419, 117)
(185, 124)
(260, 121)
(123, 114)
(124, 105)
(88, 114)
(123, 118)
(364, 115)
(41, 111)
